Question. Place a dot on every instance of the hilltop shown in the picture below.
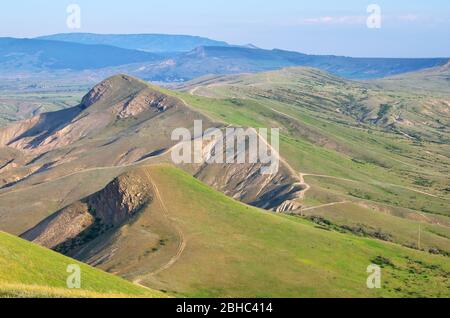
(120, 123)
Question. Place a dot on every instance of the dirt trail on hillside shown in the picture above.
(303, 183)
(324, 205)
(134, 164)
(349, 180)
(182, 239)
(381, 183)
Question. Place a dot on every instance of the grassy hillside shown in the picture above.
(235, 250)
(394, 185)
(420, 115)
(28, 270)
(193, 241)
(317, 118)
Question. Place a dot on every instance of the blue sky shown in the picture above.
(415, 28)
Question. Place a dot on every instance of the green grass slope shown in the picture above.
(28, 270)
(228, 249)
(396, 185)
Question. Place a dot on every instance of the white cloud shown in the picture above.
(335, 20)
(407, 17)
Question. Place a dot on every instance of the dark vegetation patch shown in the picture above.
(360, 194)
(420, 181)
(92, 232)
(359, 230)
(383, 262)
(95, 230)
(236, 102)
(438, 251)
(365, 231)
(383, 113)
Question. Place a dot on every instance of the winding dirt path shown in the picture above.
(134, 164)
(303, 183)
(381, 183)
(324, 206)
(343, 179)
(182, 239)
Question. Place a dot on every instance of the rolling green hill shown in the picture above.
(418, 114)
(243, 251)
(193, 241)
(366, 177)
(29, 270)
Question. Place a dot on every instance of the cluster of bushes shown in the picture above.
(423, 182)
(382, 262)
(359, 230)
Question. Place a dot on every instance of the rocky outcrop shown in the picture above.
(120, 200)
(280, 191)
(97, 93)
(76, 225)
(146, 100)
(288, 206)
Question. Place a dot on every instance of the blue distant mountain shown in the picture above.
(158, 43)
(231, 60)
(30, 54)
(35, 55)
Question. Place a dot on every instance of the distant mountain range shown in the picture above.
(231, 60)
(157, 43)
(171, 58)
(27, 54)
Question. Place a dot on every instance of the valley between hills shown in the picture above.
(363, 179)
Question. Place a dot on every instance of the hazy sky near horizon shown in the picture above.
(414, 28)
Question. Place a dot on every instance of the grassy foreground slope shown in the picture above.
(233, 250)
(28, 270)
